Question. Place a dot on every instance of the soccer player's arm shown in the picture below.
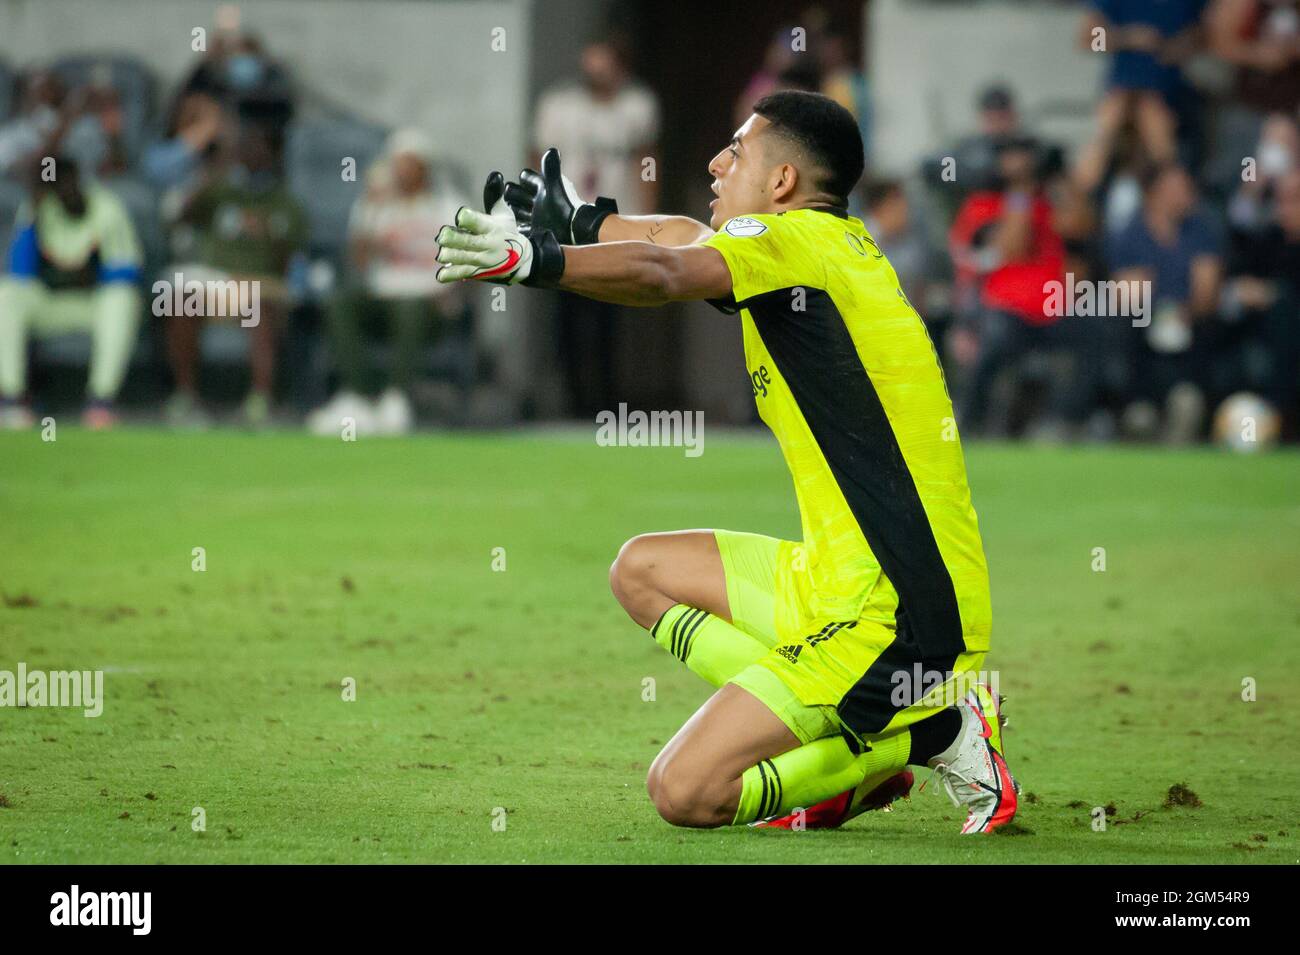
(644, 273)
(726, 268)
(660, 229)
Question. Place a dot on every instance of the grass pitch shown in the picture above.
(480, 690)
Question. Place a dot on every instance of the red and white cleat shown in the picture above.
(834, 812)
(973, 770)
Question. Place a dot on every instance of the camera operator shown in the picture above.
(1006, 249)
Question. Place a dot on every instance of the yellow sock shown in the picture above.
(711, 647)
(815, 771)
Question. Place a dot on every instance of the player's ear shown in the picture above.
(785, 181)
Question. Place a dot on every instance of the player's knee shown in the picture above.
(630, 574)
(684, 799)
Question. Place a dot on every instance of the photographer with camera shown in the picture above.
(1006, 250)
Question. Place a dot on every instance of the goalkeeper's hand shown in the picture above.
(548, 200)
(491, 247)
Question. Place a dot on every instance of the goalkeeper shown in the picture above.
(843, 658)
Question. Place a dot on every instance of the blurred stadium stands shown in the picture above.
(919, 69)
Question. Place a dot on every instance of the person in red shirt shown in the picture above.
(1006, 252)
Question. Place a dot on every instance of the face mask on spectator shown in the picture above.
(244, 71)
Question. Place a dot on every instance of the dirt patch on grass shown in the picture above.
(1180, 797)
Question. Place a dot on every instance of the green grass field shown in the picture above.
(522, 688)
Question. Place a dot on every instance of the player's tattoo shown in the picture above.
(654, 231)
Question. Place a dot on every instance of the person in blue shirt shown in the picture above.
(74, 265)
(1175, 253)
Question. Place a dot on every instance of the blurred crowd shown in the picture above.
(228, 213)
(1144, 281)
(1183, 207)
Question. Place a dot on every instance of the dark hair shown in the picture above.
(618, 42)
(1153, 173)
(878, 191)
(823, 129)
(997, 97)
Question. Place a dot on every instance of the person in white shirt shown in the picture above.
(606, 126)
(392, 249)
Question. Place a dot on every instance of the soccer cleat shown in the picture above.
(974, 772)
(834, 812)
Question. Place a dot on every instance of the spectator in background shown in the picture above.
(247, 227)
(37, 125)
(1275, 155)
(891, 223)
(607, 129)
(83, 125)
(605, 126)
(392, 246)
(94, 137)
(191, 142)
(1264, 303)
(251, 86)
(778, 60)
(1102, 372)
(1261, 38)
(1146, 42)
(971, 164)
(1006, 250)
(74, 265)
(975, 157)
(1178, 251)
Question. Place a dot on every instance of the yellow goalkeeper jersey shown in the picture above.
(845, 375)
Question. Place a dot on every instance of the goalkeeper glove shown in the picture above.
(548, 200)
(492, 248)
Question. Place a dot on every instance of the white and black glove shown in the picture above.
(491, 246)
(548, 201)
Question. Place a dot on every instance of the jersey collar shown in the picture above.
(838, 211)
